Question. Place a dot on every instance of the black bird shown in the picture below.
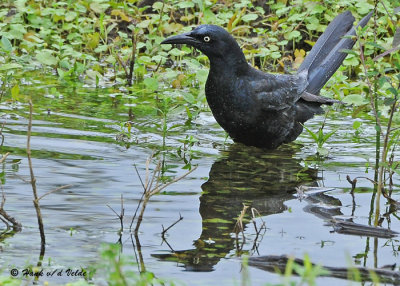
(262, 109)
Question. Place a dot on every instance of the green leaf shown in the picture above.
(185, 4)
(15, 92)
(202, 75)
(355, 99)
(292, 35)
(375, 45)
(99, 7)
(189, 97)
(329, 135)
(158, 5)
(249, 17)
(364, 7)
(70, 16)
(313, 135)
(175, 52)
(347, 51)
(6, 44)
(10, 66)
(151, 83)
(356, 124)
(393, 91)
(45, 57)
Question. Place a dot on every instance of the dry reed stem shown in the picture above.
(4, 157)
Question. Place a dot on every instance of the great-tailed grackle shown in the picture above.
(262, 109)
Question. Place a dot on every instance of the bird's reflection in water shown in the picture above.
(262, 179)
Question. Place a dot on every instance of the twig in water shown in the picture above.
(53, 191)
(5, 217)
(33, 179)
(121, 215)
(352, 182)
(149, 190)
(166, 229)
(255, 212)
(123, 65)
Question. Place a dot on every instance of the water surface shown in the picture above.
(74, 143)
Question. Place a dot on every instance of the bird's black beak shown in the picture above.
(184, 38)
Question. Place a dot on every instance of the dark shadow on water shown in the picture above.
(258, 178)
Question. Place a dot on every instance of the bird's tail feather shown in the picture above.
(326, 56)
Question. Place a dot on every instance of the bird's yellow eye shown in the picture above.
(206, 39)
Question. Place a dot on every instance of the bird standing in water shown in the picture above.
(261, 109)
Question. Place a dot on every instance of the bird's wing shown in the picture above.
(277, 92)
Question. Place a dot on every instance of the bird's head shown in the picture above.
(214, 41)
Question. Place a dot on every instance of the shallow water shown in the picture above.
(73, 143)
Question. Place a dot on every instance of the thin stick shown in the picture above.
(140, 201)
(55, 190)
(33, 179)
(121, 215)
(7, 218)
(159, 189)
(166, 229)
(122, 64)
(148, 192)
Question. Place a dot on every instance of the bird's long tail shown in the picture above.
(326, 56)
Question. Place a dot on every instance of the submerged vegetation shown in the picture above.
(114, 47)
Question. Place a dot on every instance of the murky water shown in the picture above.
(74, 144)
